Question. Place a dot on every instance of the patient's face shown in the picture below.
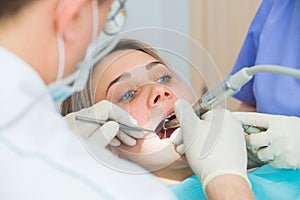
(147, 89)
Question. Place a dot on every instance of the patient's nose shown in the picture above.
(158, 94)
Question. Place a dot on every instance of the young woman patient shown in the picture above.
(134, 77)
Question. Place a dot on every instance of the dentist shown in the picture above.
(40, 43)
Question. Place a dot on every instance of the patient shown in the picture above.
(134, 77)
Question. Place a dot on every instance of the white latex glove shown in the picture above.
(105, 134)
(213, 146)
(279, 144)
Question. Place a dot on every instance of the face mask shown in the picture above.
(63, 88)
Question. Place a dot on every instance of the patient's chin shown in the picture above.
(154, 155)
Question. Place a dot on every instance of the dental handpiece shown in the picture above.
(229, 87)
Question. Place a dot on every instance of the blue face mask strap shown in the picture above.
(95, 19)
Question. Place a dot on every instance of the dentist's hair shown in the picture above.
(85, 98)
(9, 8)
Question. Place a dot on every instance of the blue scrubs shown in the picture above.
(267, 183)
(273, 38)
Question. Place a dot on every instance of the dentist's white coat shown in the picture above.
(41, 159)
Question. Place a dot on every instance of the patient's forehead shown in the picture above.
(123, 60)
(117, 63)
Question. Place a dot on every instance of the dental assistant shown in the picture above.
(273, 38)
(40, 43)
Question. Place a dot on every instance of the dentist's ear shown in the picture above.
(69, 15)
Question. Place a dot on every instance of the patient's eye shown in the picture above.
(127, 96)
(164, 79)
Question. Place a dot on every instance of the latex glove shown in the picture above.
(279, 144)
(213, 146)
(105, 134)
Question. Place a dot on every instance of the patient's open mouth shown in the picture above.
(166, 133)
(163, 134)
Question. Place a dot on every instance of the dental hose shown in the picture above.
(229, 87)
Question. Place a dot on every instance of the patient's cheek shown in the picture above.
(182, 92)
(141, 114)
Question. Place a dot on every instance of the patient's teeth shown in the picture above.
(165, 133)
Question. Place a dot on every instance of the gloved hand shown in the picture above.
(279, 144)
(213, 146)
(105, 134)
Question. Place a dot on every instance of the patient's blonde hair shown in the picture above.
(84, 99)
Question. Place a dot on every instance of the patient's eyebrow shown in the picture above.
(128, 75)
(122, 76)
(152, 64)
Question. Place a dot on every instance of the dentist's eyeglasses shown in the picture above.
(116, 18)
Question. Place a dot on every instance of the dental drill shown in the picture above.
(229, 87)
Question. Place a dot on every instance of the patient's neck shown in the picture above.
(173, 176)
